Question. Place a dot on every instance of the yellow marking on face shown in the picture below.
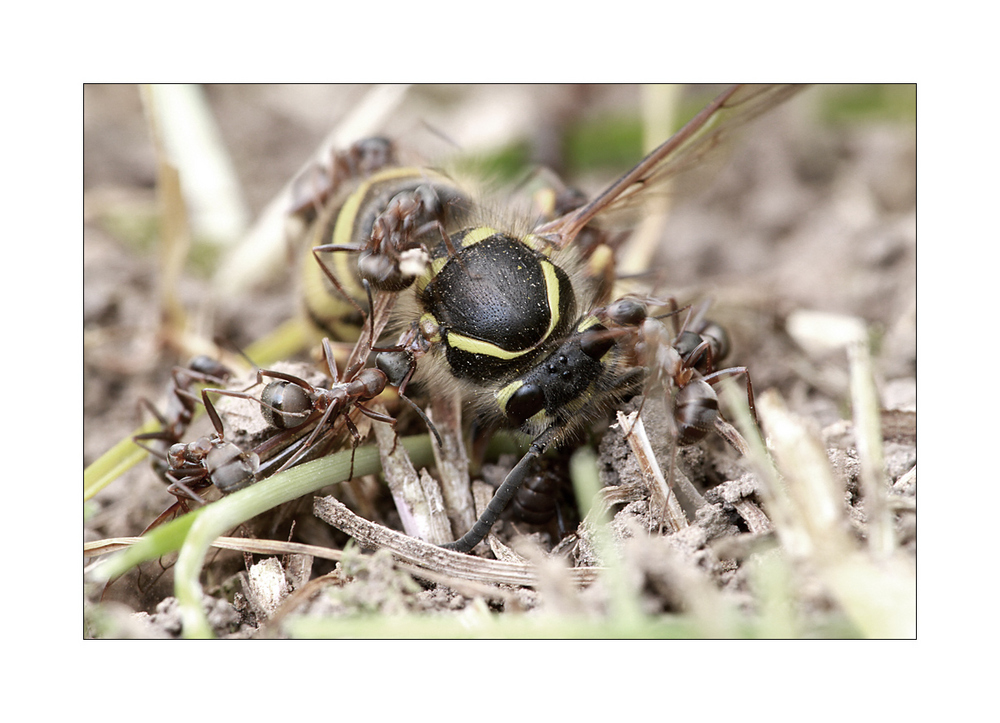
(503, 395)
(552, 295)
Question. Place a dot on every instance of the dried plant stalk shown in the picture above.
(431, 557)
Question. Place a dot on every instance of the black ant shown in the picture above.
(181, 405)
(687, 360)
(293, 404)
(315, 186)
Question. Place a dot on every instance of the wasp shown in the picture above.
(512, 317)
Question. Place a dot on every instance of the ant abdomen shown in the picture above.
(695, 410)
(285, 405)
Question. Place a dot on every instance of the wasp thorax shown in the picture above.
(496, 302)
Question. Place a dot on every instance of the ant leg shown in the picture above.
(733, 371)
(356, 440)
(165, 515)
(452, 252)
(211, 411)
(159, 418)
(356, 367)
(692, 359)
(425, 418)
(310, 439)
(375, 415)
(180, 486)
(331, 365)
(317, 250)
(139, 440)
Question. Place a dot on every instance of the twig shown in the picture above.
(431, 557)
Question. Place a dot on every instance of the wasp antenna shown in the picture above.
(502, 498)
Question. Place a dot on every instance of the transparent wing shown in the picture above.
(732, 109)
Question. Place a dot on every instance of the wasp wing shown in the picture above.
(732, 109)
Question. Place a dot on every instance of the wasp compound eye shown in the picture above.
(596, 343)
(526, 402)
(285, 404)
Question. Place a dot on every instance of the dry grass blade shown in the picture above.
(240, 544)
(868, 436)
(661, 494)
(806, 505)
(426, 556)
(417, 497)
(452, 461)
